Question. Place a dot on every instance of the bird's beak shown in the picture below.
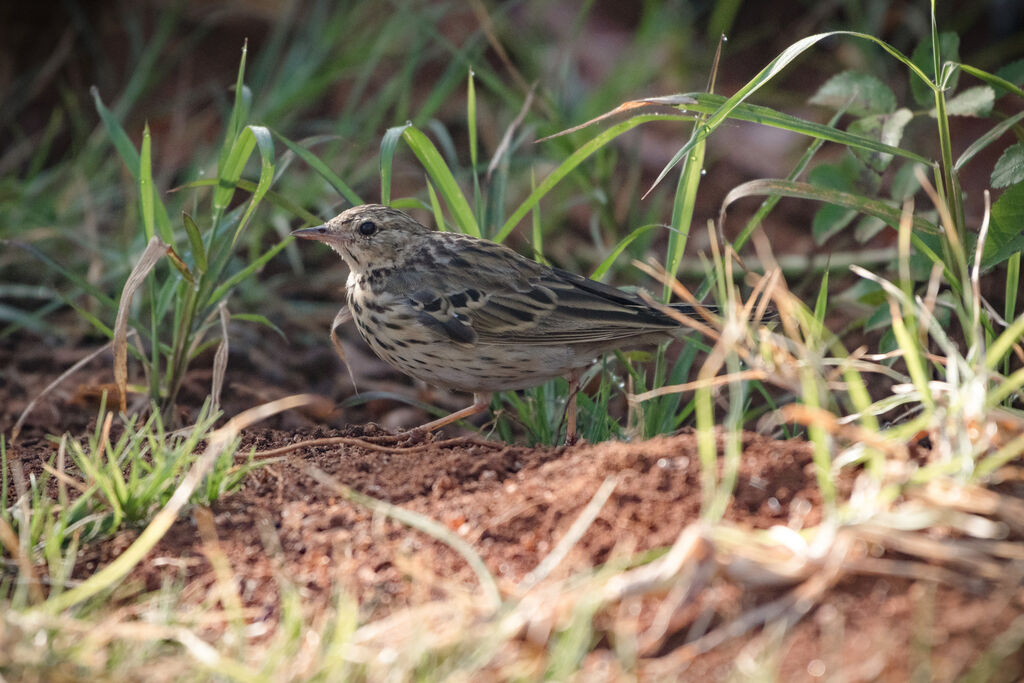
(317, 232)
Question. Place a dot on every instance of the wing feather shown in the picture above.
(508, 299)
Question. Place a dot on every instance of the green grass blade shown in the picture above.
(387, 159)
(260, 320)
(574, 160)
(265, 144)
(435, 207)
(683, 203)
(229, 173)
(239, 114)
(993, 80)
(122, 143)
(321, 169)
(786, 57)
(442, 176)
(224, 288)
(987, 139)
(278, 200)
(195, 240)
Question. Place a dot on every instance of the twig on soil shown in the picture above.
(572, 536)
(371, 446)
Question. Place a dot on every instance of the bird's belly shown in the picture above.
(400, 340)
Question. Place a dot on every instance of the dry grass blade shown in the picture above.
(153, 253)
(19, 547)
(9, 540)
(225, 587)
(506, 139)
(343, 316)
(742, 376)
(944, 493)
(690, 547)
(492, 596)
(808, 415)
(381, 448)
(791, 606)
(154, 531)
(220, 359)
(948, 552)
(572, 536)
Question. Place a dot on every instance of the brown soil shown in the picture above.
(512, 504)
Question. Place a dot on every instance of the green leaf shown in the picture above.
(435, 207)
(239, 112)
(1000, 85)
(924, 235)
(861, 94)
(684, 202)
(976, 101)
(887, 129)
(1010, 167)
(274, 198)
(949, 49)
(1013, 73)
(1006, 230)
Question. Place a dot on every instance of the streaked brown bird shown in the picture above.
(468, 314)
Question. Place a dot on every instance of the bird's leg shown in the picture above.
(571, 436)
(481, 401)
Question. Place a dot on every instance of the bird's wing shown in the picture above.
(508, 299)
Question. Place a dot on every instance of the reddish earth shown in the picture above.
(513, 504)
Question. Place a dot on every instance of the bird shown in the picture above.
(465, 313)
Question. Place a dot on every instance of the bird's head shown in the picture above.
(368, 236)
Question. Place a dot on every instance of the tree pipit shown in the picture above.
(468, 314)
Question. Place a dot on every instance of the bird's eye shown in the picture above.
(367, 228)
